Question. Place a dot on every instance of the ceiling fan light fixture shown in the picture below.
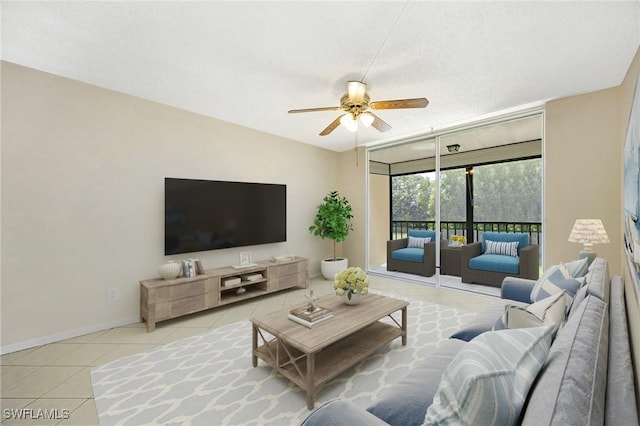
(366, 119)
(349, 122)
(356, 90)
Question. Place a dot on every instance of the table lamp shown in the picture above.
(588, 232)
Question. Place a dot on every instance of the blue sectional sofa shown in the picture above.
(587, 378)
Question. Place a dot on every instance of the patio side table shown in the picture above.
(450, 261)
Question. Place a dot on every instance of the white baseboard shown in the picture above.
(39, 341)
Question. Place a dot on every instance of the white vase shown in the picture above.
(354, 300)
(170, 270)
(329, 267)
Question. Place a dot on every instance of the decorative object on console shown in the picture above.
(188, 268)
(170, 270)
(588, 232)
(351, 283)
(245, 260)
(283, 257)
(333, 221)
(199, 267)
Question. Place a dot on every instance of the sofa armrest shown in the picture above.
(519, 289)
(469, 251)
(530, 261)
(344, 413)
(396, 244)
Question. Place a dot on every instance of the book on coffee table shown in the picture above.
(310, 314)
(306, 323)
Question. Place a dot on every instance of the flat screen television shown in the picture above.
(204, 215)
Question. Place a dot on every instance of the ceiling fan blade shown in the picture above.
(400, 103)
(379, 124)
(295, 111)
(356, 91)
(331, 127)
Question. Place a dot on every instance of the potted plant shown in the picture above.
(333, 221)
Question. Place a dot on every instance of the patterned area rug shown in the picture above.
(208, 379)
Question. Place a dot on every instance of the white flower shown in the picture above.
(352, 280)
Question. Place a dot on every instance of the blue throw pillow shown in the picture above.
(488, 380)
(577, 268)
(556, 279)
(422, 233)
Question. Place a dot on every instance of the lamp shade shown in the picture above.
(349, 122)
(588, 232)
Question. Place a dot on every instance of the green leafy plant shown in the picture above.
(350, 281)
(333, 219)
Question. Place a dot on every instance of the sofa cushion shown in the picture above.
(495, 263)
(577, 268)
(521, 238)
(422, 233)
(417, 242)
(405, 402)
(570, 389)
(598, 279)
(504, 248)
(554, 280)
(485, 386)
(408, 254)
(484, 320)
(337, 412)
(549, 311)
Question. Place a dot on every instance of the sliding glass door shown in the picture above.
(459, 183)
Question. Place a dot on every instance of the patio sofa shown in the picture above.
(586, 379)
(480, 266)
(417, 258)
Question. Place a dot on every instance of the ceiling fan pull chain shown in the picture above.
(355, 148)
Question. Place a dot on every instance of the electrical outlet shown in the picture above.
(112, 294)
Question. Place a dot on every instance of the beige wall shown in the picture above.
(82, 198)
(582, 164)
(379, 219)
(353, 186)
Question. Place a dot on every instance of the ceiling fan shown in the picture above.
(357, 106)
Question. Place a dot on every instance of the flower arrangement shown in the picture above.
(459, 238)
(351, 281)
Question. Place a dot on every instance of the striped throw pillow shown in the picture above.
(415, 242)
(502, 247)
(487, 382)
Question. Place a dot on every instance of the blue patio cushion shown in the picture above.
(496, 263)
(520, 237)
(409, 254)
(422, 233)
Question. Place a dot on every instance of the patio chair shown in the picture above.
(417, 258)
(490, 266)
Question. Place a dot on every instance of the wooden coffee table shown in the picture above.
(310, 357)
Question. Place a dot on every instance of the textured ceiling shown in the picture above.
(250, 62)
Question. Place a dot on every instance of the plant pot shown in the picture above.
(354, 300)
(329, 267)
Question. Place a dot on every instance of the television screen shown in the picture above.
(208, 215)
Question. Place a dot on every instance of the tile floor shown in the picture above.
(56, 377)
